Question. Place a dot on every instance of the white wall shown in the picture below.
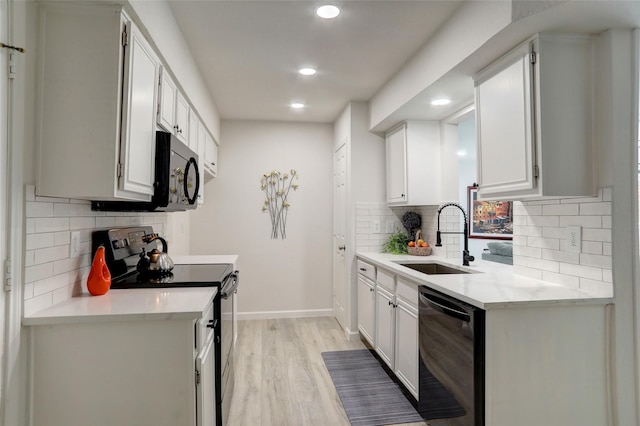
(277, 277)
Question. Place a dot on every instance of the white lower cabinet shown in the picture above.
(406, 345)
(385, 326)
(115, 372)
(396, 325)
(366, 308)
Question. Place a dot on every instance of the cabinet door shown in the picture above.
(506, 144)
(167, 104)
(194, 124)
(205, 386)
(366, 308)
(138, 142)
(182, 118)
(406, 356)
(201, 151)
(385, 326)
(396, 146)
(211, 156)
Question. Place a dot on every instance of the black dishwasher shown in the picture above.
(451, 362)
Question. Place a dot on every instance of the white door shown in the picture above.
(339, 235)
(4, 167)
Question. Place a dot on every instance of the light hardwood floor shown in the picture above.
(280, 377)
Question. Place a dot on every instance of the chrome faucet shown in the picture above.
(466, 257)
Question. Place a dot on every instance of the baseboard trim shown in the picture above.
(285, 314)
(352, 336)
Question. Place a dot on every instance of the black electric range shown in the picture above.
(209, 275)
(122, 251)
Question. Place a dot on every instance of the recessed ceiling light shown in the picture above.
(439, 102)
(307, 71)
(297, 105)
(328, 11)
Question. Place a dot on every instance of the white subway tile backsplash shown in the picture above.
(547, 243)
(542, 221)
(584, 221)
(51, 254)
(566, 280)
(599, 261)
(590, 234)
(39, 209)
(582, 271)
(51, 224)
(590, 209)
(38, 272)
(51, 275)
(36, 241)
(561, 209)
(561, 256)
(544, 248)
(592, 247)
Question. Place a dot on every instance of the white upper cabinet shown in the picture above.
(182, 118)
(211, 156)
(413, 164)
(534, 120)
(138, 143)
(194, 125)
(97, 96)
(167, 102)
(201, 151)
(173, 109)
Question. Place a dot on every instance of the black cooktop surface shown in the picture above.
(210, 275)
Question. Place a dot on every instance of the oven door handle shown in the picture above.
(461, 315)
(230, 285)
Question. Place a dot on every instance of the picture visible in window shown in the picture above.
(489, 219)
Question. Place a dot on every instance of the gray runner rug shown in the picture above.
(369, 396)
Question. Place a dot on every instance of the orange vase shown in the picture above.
(99, 280)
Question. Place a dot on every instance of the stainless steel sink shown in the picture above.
(433, 268)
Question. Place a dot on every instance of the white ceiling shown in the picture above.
(249, 51)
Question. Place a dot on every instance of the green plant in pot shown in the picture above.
(397, 243)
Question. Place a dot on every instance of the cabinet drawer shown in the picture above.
(408, 291)
(367, 270)
(386, 280)
(204, 327)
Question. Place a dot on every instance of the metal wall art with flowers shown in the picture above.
(276, 186)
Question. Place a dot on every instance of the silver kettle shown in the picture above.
(155, 261)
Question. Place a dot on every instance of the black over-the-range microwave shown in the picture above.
(177, 180)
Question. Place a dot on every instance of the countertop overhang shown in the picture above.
(488, 285)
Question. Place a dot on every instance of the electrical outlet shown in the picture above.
(376, 226)
(574, 239)
(74, 247)
(390, 227)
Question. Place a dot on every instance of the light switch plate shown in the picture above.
(390, 227)
(574, 239)
(376, 226)
(74, 247)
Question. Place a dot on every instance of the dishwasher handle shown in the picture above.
(440, 305)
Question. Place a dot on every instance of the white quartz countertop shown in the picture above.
(127, 305)
(490, 285)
